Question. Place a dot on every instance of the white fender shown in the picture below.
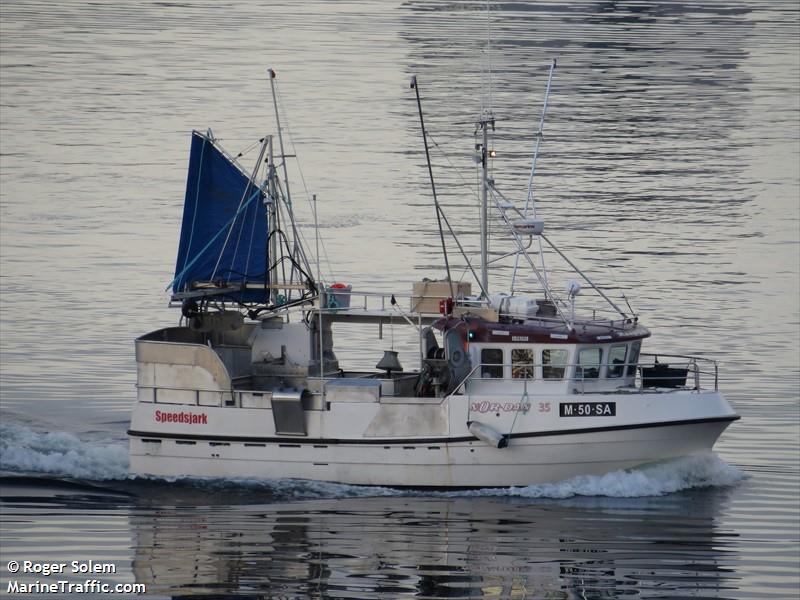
(487, 434)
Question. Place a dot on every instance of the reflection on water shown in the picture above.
(205, 541)
(380, 547)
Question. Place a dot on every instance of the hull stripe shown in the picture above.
(406, 441)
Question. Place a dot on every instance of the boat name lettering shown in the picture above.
(181, 417)
(587, 409)
(488, 407)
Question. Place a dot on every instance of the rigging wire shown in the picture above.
(433, 185)
(545, 289)
(233, 223)
(613, 278)
(529, 199)
(302, 176)
(213, 239)
(247, 149)
(244, 220)
(252, 238)
(470, 187)
(447, 158)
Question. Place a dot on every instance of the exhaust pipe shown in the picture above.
(487, 434)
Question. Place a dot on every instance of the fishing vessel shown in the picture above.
(511, 389)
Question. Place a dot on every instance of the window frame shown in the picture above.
(492, 365)
(528, 366)
(580, 366)
(635, 348)
(553, 365)
(620, 366)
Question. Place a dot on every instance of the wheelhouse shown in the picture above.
(540, 356)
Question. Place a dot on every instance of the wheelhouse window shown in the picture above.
(589, 360)
(522, 363)
(616, 361)
(492, 363)
(633, 358)
(554, 363)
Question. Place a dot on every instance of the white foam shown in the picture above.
(60, 453)
(695, 471)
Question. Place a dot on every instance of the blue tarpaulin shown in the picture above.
(219, 195)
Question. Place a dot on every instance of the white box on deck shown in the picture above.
(427, 293)
(523, 306)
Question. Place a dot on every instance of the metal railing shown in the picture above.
(219, 393)
(645, 374)
(699, 366)
(365, 300)
(228, 398)
(678, 372)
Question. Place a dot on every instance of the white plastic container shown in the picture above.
(523, 306)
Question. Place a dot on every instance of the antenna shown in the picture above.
(485, 121)
(297, 251)
(320, 295)
(489, 53)
(529, 198)
(272, 76)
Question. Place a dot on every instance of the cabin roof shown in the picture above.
(545, 330)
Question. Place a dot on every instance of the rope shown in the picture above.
(613, 270)
(469, 186)
(236, 248)
(250, 183)
(303, 180)
(248, 148)
(252, 236)
(523, 401)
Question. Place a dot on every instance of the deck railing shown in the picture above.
(656, 371)
(699, 366)
(348, 300)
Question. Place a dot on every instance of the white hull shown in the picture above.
(596, 447)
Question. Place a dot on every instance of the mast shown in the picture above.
(296, 254)
(320, 298)
(272, 211)
(487, 118)
(280, 136)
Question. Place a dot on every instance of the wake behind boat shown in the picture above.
(512, 389)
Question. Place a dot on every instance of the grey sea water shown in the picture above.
(669, 169)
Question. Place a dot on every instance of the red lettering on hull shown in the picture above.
(181, 417)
